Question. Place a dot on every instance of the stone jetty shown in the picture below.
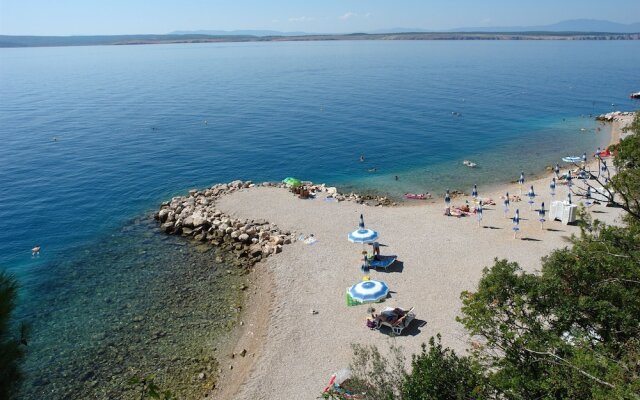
(614, 116)
(195, 216)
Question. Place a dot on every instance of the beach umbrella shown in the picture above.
(583, 174)
(541, 213)
(521, 181)
(479, 212)
(447, 198)
(516, 223)
(292, 181)
(506, 203)
(531, 195)
(584, 157)
(552, 186)
(369, 291)
(587, 197)
(363, 236)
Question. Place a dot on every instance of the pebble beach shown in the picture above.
(296, 329)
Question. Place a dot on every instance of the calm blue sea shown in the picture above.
(94, 137)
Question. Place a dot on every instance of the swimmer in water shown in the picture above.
(397, 177)
(372, 169)
(35, 251)
(361, 157)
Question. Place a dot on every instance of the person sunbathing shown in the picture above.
(393, 317)
(513, 198)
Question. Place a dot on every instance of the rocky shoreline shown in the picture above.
(195, 216)
(614, 116)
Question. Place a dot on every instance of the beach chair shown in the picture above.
(382, 262)
(398, 325)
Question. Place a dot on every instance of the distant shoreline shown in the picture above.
(7, 41)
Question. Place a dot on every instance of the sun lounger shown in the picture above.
(396, 325)
(382, 262)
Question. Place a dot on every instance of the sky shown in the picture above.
(107, 17)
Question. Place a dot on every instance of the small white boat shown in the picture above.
(635, 95)
(572, 159)
(469, 163)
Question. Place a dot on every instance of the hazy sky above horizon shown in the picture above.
(90, 17)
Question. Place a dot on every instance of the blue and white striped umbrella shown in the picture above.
(361, 224)
(541, 213)
(474, 192)
(584, 157)
(479, 212)
(369, 291)
(552, 186)
(587, 197)
(583, 174)
(506, 203)
(363, 236)
(531, 195)
(516, 223)
(447, 198)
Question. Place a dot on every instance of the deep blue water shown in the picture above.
(91, 137)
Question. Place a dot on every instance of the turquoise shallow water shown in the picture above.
(134, 125)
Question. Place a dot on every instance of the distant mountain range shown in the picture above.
(566, 30)
(574, 25)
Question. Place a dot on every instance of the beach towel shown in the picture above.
(382, 262)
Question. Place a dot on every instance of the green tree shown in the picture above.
(626, 182)
(437, 373)
(11, 346)
(621, 189)
(570, 332)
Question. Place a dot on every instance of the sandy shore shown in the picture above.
(291, 352)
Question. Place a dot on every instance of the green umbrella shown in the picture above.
(292, 181)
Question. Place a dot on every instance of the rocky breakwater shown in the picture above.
(196, 216)
(614, 116)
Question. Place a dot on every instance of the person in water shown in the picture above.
(35, 251)
(361, 157)
(397, 177)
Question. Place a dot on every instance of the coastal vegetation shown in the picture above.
(11, 341)
(569, 332)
